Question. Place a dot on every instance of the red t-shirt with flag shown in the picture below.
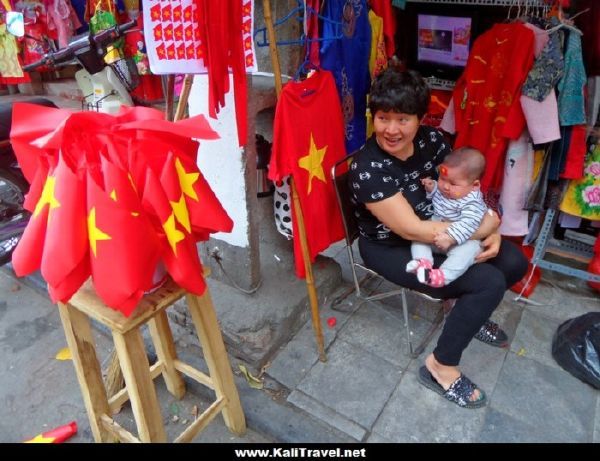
(308, 140)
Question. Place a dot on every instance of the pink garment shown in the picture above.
(447, 124)
(63, 19)
(515, 186)
(540, 38)
(542, 118)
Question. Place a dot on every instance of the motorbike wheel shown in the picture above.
(13, 218)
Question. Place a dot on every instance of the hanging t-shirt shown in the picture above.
(308, 139)
(348, 59)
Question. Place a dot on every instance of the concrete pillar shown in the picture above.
(231, 172)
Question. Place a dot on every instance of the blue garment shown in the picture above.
(546, 71)
(348, 60)
(79, 7)
(571, 102)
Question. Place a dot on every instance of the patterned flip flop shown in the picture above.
(459, 392)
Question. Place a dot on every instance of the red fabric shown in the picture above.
(383, 8)
(66, 242)
(178, 248)
(576, 154)
(486, 96)
(89, 218)
(206, 212)
(27, 256)
(527, 284)
(29, 122)
(594, 268)
(437, 106)
(128, 249)
(313, 31)
(34, 46)
(221, 35)
(308, 118)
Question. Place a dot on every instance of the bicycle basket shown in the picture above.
(126, 70)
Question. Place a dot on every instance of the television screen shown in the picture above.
(443, 39)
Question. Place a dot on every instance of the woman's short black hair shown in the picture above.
(399, 91)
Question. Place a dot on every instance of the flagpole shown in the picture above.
(184, 96)
(310, 282)
(169, 96)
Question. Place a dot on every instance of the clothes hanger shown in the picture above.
(304, 71)
(300, 13)
(566, 23)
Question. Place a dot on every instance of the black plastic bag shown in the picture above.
(576, 347)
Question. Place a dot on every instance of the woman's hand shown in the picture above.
(491, 246)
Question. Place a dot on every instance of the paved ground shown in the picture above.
(367, 391)
(39, 392)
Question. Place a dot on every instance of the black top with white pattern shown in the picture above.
(376, 175)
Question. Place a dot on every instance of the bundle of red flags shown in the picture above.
(112, 197)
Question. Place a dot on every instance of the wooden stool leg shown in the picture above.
(205, 320)
(142, 394)
(89, 374)
(162, 338)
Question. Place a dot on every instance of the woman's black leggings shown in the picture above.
(478, 291)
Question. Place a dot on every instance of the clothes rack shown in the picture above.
(300, 13)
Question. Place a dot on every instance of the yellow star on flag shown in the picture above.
(181, 213)
(173, 235)
(313, 162)
(47, 197)
(186, 180)
(95, 234)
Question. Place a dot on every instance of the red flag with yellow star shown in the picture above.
(207, 215)
(308, 139)
(124, 248)
(66, 245)
(27, 257)
(178, 248)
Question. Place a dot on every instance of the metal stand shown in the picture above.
(568, 248)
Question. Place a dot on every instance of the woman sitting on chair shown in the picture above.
(385, 179)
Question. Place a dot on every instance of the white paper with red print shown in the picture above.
(172, 36)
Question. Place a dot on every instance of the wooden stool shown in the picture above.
(138, 374)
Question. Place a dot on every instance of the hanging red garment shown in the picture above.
(221, 34)
(438, 103)
(34, 44)
(576, 153)
(308, 139)
(383, 9)
(313, 30)
(486, 97)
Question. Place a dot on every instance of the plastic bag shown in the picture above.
(576, 347)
